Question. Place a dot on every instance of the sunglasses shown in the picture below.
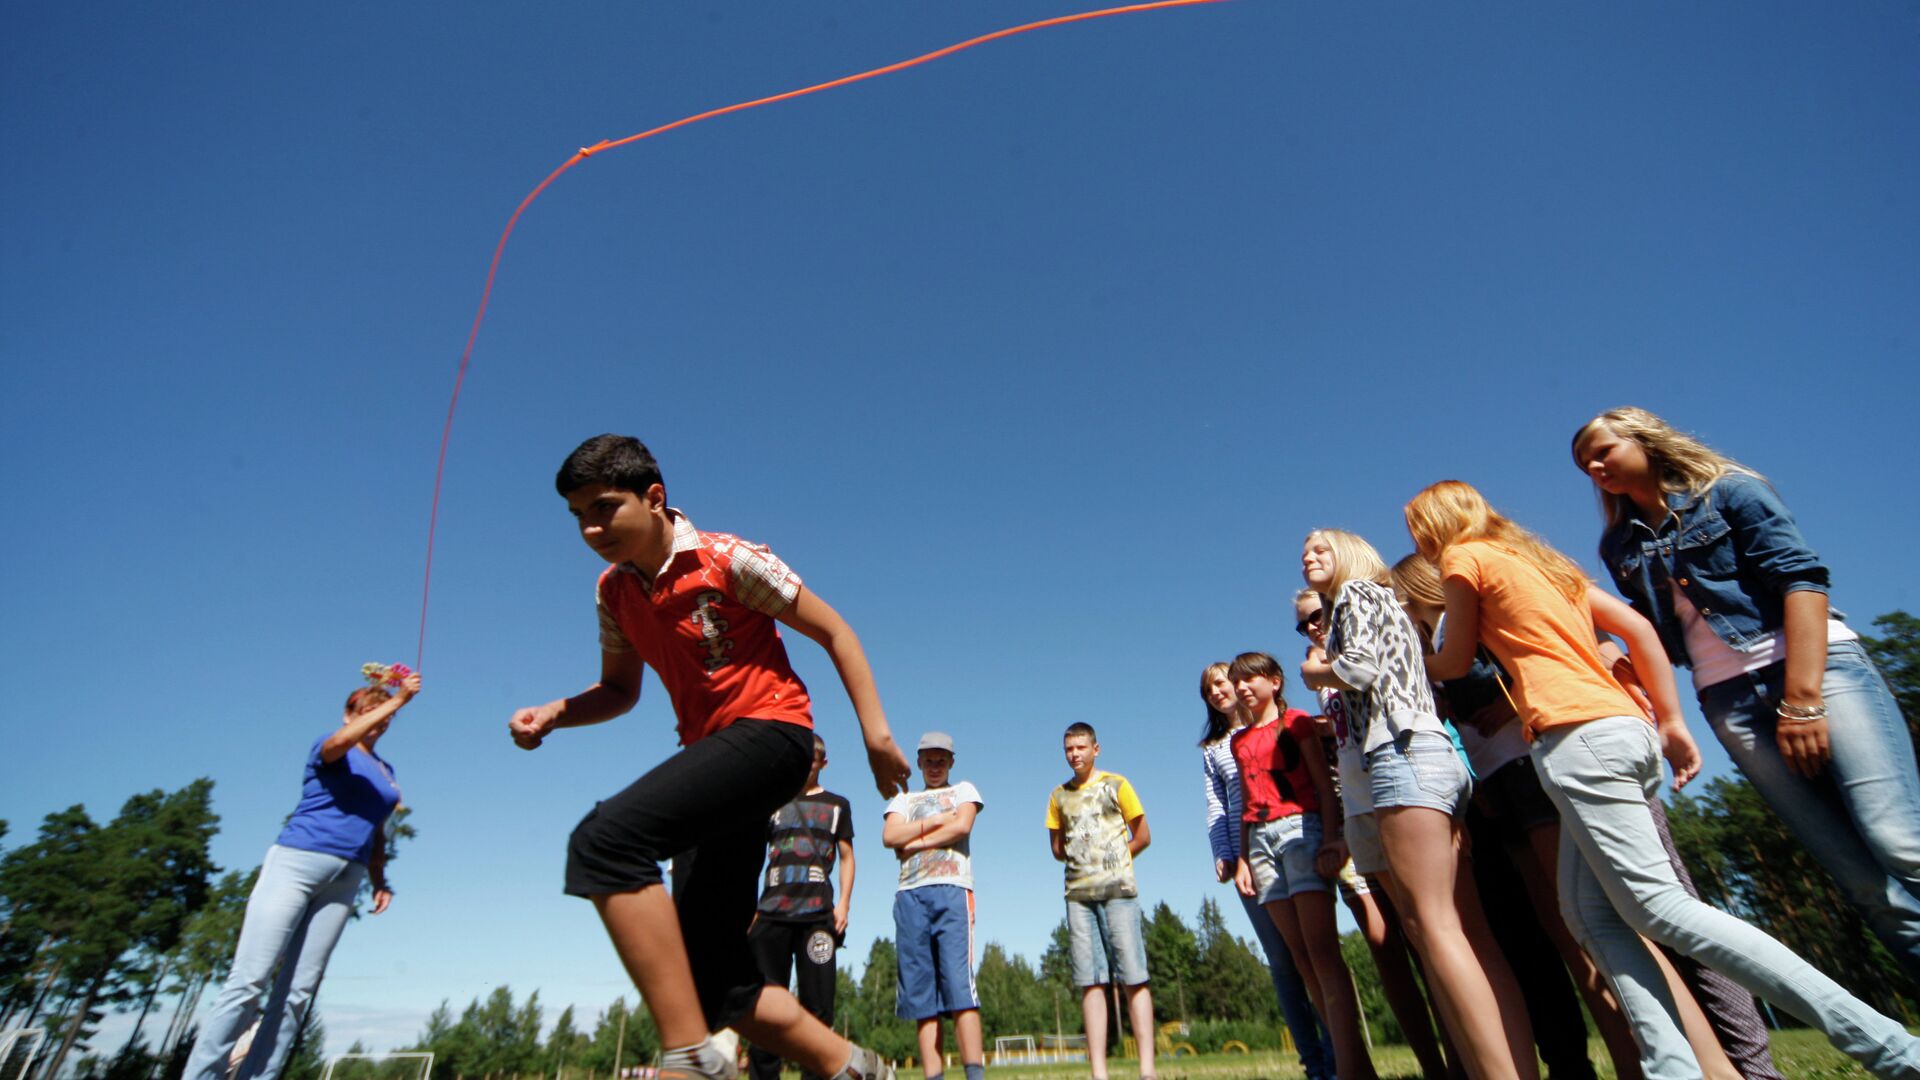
(1311, 620)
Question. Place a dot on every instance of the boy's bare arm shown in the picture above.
(1141, 835)
(815, 618)
(898, 830)
(615, 693)
(944, 830)
(1059, 845)
(845, 902)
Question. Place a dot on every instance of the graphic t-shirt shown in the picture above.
(1092, 818)
(937, 866)
(1273, 768)
(706, 625)
(1543, 639)
(803, 841)
(342, 805)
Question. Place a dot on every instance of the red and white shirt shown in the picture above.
(706, 625)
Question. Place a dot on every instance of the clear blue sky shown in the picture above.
(1037, 363)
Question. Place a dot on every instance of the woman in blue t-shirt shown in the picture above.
(306, 890)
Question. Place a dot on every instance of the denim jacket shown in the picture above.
(1733, 550)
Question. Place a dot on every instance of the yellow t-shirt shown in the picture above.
(1545, 641)
(1092, 818)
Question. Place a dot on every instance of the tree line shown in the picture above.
(132, 916)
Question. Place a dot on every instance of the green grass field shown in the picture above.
(1801, 1055)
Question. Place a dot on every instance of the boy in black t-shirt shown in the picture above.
(798, 922)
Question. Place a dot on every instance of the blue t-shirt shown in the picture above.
(342, 805)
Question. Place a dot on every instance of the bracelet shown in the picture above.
(1804, 714)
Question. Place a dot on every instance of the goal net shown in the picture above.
(1014, 1050)
(399, 1065)
(19, 1047)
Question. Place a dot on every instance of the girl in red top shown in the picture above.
(1284, 862)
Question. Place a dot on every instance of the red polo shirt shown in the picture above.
(706, 626)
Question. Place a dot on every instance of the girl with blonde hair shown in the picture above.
(1703, 548)
(1361, 884)
(1516, 830)
(1222, 775)
(1418, 786)
(1599, 756)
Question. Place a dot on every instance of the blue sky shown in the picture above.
(1037, 363)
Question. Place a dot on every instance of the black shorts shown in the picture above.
(706, 808)
(1513, 798)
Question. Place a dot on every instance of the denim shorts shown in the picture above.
(933, 929)
(1105, 942)
(1363, 843)
(1280, 853)
(1420, 768)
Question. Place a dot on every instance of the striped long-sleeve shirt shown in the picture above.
(1223, 799)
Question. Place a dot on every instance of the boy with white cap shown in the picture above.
(933, 908)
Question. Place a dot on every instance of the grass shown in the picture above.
(1800, 1054)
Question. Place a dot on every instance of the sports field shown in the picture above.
(1801, 1055)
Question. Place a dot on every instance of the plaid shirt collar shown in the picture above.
(685, 538)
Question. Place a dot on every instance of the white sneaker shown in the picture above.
(865, 1065)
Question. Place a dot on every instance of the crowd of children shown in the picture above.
(1473, 690)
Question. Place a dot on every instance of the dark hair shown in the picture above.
(618, 461)
(819, 744)
(366, 696)
(1249, 664)
(1080, 728)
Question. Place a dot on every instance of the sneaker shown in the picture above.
(865, 1065)
(717, 1059)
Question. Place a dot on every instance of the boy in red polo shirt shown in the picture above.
(700, 608)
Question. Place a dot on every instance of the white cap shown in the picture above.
(937, 740)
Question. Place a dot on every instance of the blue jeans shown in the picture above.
(1309, 1035)
(1861, 816)
(1106, 942)
(296, 912)
(1616, 884)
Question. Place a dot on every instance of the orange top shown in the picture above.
(1545, 641)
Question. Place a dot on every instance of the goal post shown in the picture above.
(1014, 1050)
(19, 1048)
(398, 1065)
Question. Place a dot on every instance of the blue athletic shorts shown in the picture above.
(933, 938)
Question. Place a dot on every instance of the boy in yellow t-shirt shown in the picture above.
(1096, 825)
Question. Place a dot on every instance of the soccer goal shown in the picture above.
(19, 1047)
(399, 1065)
(1014, 1050)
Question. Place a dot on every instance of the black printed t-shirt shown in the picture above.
(802, 844)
